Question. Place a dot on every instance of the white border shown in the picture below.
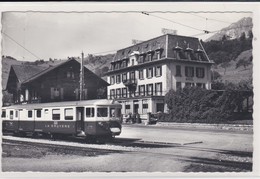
(149, 6)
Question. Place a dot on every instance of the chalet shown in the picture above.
(36, 84)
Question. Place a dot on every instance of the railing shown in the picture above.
(130, 82)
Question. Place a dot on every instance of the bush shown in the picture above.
(193, 104)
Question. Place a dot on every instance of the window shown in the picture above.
(3, 114)
(70, 74)
(124, 77)
(38, 113)
(118, 93)
(132, 75)
(149, 72)
(189, 71)
(178, 70)
(133, 62)
(16, 114)
(145, 108)
(178, 85)
(200, 72)
(30, 114)
(112, 93)
(149, 57)
(56, 114)
(102, 112)
(112, 80)
(189, 84)
(124, 92)
(158, 53)
(90, 112)
(11, 114)
(141, 59)
(141, 90)
(68, 114)
(118, 78)
(158, 89)
(141, 74)
(115, 112)
(123, 65)
(158, 71)
(149, 89)
(127, 108)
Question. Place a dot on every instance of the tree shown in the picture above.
(225, 65)
(243, 62)
(242, 36)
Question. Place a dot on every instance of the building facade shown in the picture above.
(32, 84)
(141, 75)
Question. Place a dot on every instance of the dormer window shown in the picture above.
(149, 57)
(141, 59)
(158, 54)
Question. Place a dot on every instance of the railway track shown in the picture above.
(75, 144)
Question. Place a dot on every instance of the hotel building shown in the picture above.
(141, 75)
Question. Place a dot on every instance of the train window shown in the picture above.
(3, 114)
(115, 112)
(69, 114)
(102, 112)
(38, 113)
(11, 114)
(90, 112)
(30, 114)
(56, 114)
(16, 114)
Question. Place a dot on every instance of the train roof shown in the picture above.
(64, 104)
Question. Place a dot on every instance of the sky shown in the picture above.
(65, 34)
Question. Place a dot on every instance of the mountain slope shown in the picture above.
(234, 30)
(234, 73)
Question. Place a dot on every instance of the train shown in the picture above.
(87, 119)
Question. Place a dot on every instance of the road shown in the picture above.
(185, 150)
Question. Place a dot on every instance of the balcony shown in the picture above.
(130, 82)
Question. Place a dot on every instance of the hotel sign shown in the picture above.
(169, 31)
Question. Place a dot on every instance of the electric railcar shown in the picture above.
(96, 118)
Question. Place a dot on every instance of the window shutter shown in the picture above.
(61, 93)
(52, 93)
(186, 71)
(77, 93)
(192, 71)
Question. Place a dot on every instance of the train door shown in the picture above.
(79, 119)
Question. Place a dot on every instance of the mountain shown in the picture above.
(236, 71)
(235, 30)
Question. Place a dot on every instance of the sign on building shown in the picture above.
(169, 31)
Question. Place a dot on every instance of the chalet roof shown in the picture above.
(46, 70)
(24, 72)
(43, 72)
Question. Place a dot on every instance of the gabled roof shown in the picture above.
(36, 76)
(24, 72)
(39, 74)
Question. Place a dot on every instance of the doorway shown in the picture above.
(80, 119)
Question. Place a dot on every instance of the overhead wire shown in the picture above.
(20, 45)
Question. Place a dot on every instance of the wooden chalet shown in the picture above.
(36, 84)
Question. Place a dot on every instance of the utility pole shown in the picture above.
(81, 82)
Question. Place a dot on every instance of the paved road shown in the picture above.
(189, 151)
(217, 139)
